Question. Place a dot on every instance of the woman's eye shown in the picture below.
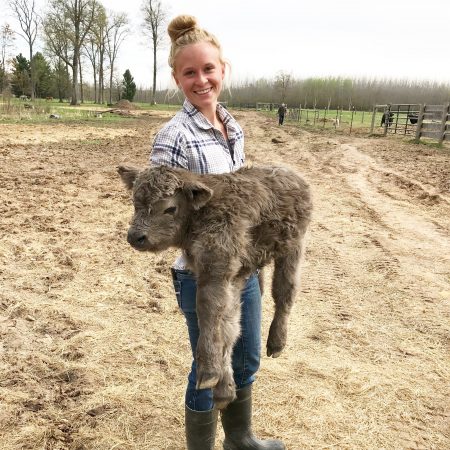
(170, 210)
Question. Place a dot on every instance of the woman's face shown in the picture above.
(199, 74)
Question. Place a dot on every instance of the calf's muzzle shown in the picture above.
(136, 238)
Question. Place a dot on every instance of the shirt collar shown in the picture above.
(201, 121)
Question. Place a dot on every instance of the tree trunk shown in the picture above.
(76, 58)
(154, 75)
(110, 83)
(95, 86)
(32, 75)
(101, 77)
(81, 83)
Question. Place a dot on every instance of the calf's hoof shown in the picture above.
(223, 394)
(206, 380)
(276, 340)
(273, 353)
(274, 347)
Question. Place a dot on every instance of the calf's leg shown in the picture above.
(284, 285)
(216, 299)
(225, 390)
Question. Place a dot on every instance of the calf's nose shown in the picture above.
(136, 238)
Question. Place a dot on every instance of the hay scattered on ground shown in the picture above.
(94, 352)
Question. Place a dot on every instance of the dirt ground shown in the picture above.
(94, 353)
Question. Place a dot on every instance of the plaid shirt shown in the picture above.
(190, 141)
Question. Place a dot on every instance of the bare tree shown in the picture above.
(115, 34)
(66, 26)
(155, 17)
(94, 48)
(29, 20)
(282, 82)
(91, 51)
(6, 42)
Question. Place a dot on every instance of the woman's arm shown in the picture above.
(169, 149)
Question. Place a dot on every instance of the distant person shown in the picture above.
(203, 137)
(281, 113)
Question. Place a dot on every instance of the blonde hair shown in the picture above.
(183, 31)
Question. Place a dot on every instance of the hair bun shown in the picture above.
(181, 25)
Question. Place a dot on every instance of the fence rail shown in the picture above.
(421, 121)
(434, 123)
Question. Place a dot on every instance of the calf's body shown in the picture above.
(228, 226)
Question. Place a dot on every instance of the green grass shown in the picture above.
(427, 142)
(14, 111)
(359, 119)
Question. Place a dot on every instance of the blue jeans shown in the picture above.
(247, 350)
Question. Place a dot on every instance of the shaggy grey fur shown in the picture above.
(228, 225)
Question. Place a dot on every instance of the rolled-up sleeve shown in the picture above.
(169, 148)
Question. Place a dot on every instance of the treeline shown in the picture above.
(50, 80)
(54, 80)
(336, 92)
(330, 92)
(78, 37)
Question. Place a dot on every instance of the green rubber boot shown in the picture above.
(200, 429)
(237, 425)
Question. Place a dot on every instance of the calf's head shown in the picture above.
(164, 199)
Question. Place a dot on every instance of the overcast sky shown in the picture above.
(355, 38)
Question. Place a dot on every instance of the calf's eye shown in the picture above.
(170, 210)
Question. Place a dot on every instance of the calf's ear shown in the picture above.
(128, 175)
(197, 194)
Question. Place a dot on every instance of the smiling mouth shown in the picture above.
(204, 91)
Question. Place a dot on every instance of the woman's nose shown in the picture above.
(201, 78)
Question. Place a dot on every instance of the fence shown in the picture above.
(396, 119)
(428, 121)
(433, 122)
(325, 117)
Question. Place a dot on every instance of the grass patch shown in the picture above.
(13, 111)
(430, 144)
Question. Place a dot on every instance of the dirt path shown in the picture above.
(93, 352)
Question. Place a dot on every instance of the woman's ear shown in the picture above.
(224, 68)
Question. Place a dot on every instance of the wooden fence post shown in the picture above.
(445, 111)
(351, 121)
(419, 123)
(375, 109)
(387, 121)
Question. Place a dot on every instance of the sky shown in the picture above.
(400, 39)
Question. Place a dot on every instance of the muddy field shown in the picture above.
(94, 353)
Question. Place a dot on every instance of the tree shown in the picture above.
(61, 83)
(25, 12)
(21, 82)
(67, 24)
(43, 76)
(155, 17)
(94, 48)
(129, 86)
(115, 34)
(6, 42)
(282, 82)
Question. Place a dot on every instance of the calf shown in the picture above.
(387, 118)
(228, 226)
(413, 118)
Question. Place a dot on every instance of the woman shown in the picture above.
(204, 138)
